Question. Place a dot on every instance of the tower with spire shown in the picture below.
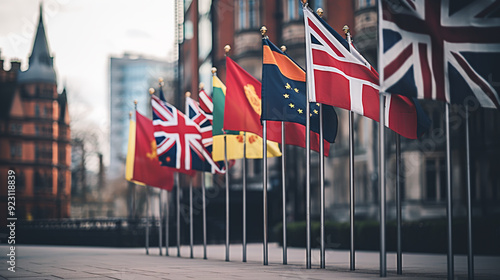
(35, 135)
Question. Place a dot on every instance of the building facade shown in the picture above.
(237, 23)
(35, 136)
(130, 78)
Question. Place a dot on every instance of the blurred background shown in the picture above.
(70, 71)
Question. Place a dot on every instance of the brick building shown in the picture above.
(237, 23)
(35, 136)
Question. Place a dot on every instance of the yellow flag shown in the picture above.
(235, 147)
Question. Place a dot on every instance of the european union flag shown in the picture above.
(284, 93)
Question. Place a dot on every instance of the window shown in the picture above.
(16, 150)
(435, 179)
(43, 152)
(248, 14)
(16, 128)
(242, 14)
(37, 110)
(293, 10)
(43, 182)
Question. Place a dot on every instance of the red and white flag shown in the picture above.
(338, 75)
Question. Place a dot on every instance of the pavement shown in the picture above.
(72, 262)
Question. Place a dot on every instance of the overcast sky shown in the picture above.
(82, 34)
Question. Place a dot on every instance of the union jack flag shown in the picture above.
(444, 50)
(179, 140)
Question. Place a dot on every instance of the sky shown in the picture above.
(82, 35)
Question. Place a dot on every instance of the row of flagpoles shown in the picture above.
(290, 103)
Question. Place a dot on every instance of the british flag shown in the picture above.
(179, 140)
(444, 50)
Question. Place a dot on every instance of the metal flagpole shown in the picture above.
(227, 199)
(167, 226)
(383, 256)
(283, 183)
(245, 197)
(381, 155)
(263, 31)
(352, 264)
(178, 215)
(160, 237)
(227, 48)
(470, 253)
(204, 202)
(191, 217)
(449, 208)
(283, 187)
(147, 220)
(399, 258)
(264, 190)
(308, 186)
(322, 184)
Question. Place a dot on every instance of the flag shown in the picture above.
(142, 164)
(243, 109)
(235, 139)
(204, 120)
(442, 50)
(179, 140)
(331, 60)
(284, 93)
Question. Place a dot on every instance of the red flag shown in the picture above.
(242, 111)
(143, 166)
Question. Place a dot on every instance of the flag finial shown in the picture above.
(303, 2)
(227, 48)
(160, 80)
(151, 91)
(130, 115)
(263, 30)
(346, 29)
(214, 70)
(202, 86)
(188, 94)
(135, 104)
(319, 11)
(283, 48)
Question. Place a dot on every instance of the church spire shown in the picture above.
(41, 65)
(40, 50)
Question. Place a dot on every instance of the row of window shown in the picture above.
(42, 181)
(249, 11)
(40, 130)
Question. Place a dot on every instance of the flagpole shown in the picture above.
(147, 220)
(352, 264)
(381, 153)
(470, 254)
(449, 207)
(283, 188)
(283, 183)
(383, 256)
(244, 197)
(204, 201)
(264, 191)
(319, 11)
(191, 218)
(178, 196)
(263, 31)
(399, 258)
(159, 226)
(322, 184)
(227, 198)
(167, 226)
(227, 48)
